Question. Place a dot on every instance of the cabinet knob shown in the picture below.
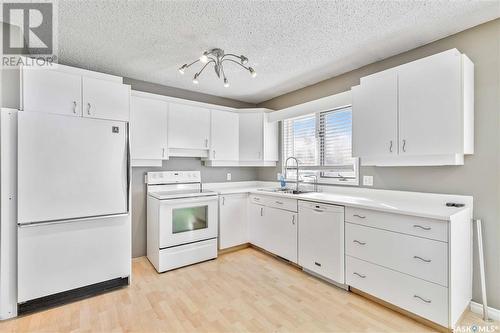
(404, 145)
(88, 108)
(390, 146)
(293, 219)
(74, 107)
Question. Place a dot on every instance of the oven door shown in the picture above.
(187, 220)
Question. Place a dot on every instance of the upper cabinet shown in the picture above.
(148, 131)
(74, 92)
(105, 99)
(420, 113)
(51, 91)
(224, 132)
(188, 130)
(258, 138)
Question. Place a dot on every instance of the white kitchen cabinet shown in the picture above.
(419, 113)
(188, 130)
(224, 134)
(51, 91)
(321, 239)
(256, 225)
(281, 229)
(233, 226)
(430, 104)
(74, 92)
(258, 138)
(273, 229)
(105, 99)
(148, 131)
(421, 265)
(375, 116)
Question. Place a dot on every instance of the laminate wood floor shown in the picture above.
(243, 291)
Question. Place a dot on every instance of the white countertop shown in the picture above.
(429, 205)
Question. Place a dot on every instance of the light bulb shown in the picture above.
(182, 68)
(252, 72)
(226, 83)
(204, 58)
(244, 60)
(195, 79)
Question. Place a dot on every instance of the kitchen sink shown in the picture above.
(285, 190)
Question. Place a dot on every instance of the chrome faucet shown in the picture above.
(297, 168)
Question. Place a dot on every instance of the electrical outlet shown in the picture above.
(228, 176)
(368, 180)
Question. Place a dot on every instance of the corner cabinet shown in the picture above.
(420, 113)
(258, 139)
(148, 131)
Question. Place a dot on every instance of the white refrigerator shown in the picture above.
(73, 206)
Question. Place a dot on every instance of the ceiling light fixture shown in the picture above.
(217, 57)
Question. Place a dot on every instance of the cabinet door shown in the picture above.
(281, 233)
(224, 132)
(251, 136)
(188, 127)
(233, 227)
(375, 116)
(256, 225)
(148, 128)
(430, 115)
(270, 139)
(106, 99)
(52, 92)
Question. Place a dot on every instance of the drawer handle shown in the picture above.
(256, 199)
(317, 264)
(318, 210)
(421, 227)
(425, 260)
(360, 275)
(261, 211)
(293, 219)
(423, 299)
(279, 202)
(360, 216)
(359, 242)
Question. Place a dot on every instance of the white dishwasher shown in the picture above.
(321, 240)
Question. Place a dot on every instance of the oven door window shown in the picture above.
(189, 219)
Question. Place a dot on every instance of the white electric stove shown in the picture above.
(181, 220)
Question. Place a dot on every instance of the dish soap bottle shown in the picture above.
(282, 182)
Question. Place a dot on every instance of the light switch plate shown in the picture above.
(228, 176)
(368, 180)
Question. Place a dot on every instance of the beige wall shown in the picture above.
(480, 175)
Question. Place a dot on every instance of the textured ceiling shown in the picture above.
(291, 44)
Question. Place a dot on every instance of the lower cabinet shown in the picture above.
(421, 265)
(233, 226)
(321, 239)
(274, 230)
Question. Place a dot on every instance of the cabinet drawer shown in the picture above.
(412, 225)
(275, 202)
(423, 298)
(423, 258)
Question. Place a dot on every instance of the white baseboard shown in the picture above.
(492, 312)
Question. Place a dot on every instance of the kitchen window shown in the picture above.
(322, 142)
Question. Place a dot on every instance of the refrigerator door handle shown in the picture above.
(92, 218)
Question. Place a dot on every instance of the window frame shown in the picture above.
(319, 170)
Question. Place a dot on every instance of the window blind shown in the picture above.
(322, 141)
